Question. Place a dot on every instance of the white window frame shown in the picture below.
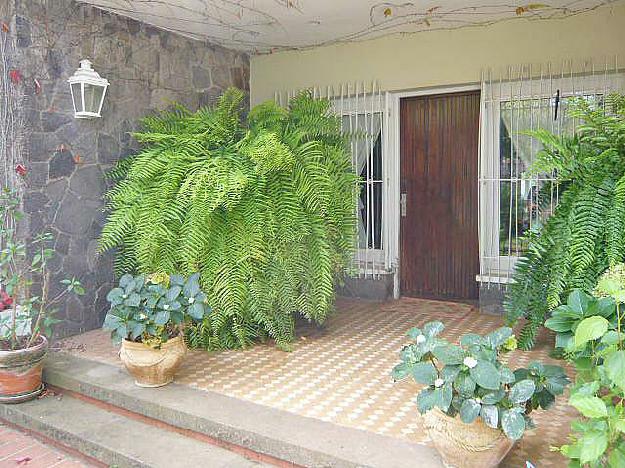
(369, 261)
(494, 267)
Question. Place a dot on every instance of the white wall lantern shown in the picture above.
(88, 90)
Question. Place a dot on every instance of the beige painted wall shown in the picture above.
(440, 58)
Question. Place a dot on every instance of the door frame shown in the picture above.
(393, 166)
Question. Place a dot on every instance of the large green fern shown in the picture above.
(263, 209)
(586, 232)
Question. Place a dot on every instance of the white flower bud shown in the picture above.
(439, 383)
(420, 339)
(470, 362)
(166, 307)
(191, 300)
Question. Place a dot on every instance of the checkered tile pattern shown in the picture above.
(341, 373)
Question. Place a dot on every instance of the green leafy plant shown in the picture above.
(468, 380)
(263, 209)
(151, 309)
(581, 309)
(586, 232)
(25, 315)
(597, 350)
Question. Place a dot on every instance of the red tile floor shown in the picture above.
(20, 450)
(341, 373)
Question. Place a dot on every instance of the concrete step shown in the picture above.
(277, 436)
(115, 439)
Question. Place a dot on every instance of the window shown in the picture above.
(512, 201)
(363, 120)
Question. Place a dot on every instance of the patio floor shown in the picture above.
(341, 374)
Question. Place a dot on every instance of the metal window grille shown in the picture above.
(361, 108)
(513, 202)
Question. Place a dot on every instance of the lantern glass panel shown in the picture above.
(93, 96)
(77, 96)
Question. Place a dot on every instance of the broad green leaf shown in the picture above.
(513, 423)
(162, 317)
(137, 330)
(593, 444)
(173, 293)
(619, 425)
(443, 396)
(559, 324)
(614, 366)
(196, 310)
(589, 329)
(432, 329)
(578, 301)
(589, 406)
(470, 339)
(414, 332)
(426, 400)
(449, 373)
(401, 371)
(605, 307)
(465, 385)
(114, 296)
(493, 397)
(469, 410)
(617, 457)
(522, 391)
(564, 340)
(125, 280)
(506, 375)
(425, 373)
(133, 300)
(490, 415)
(449, 354)
(486, 375)
(611, 337)
(545, 399)
(497, 337)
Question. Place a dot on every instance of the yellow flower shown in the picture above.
(159, 278)
(510, 344)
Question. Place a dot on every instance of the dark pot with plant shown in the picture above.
(25, 318)
(475, 406)
(148, 315)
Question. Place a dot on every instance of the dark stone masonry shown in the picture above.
(67, 158)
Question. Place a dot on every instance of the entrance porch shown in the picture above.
(340, 374)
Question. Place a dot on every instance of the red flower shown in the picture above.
(16, 76)
(6, 301)
(21, 170)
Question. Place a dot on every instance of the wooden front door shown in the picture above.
(439, 213)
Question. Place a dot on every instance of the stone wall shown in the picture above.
(66, 158)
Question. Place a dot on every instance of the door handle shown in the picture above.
(402, 205)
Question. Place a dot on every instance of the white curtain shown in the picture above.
(364, 130)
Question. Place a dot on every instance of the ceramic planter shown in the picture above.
(20, 372)
(463, 445)
(152, 367)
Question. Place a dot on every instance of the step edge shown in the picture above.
(74, 441)
(61, 371)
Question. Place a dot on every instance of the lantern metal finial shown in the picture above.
(88, 89)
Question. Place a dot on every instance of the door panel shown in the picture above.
(439, 235)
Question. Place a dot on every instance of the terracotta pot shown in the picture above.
(153, 367)
(463, 445)
(20, 372)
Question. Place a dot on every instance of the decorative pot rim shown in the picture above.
(42, 344)
(171, 342)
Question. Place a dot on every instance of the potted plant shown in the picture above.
(26, 318)
(148, 314)
(475, 406)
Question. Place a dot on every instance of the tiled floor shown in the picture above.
(20, 450)
(341, 373)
